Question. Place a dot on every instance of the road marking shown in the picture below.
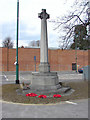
(6, 77)
(49, 104)
(22, 77)
(71, 103)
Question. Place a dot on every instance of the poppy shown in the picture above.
(31, 94)
(42, 96)
(57, 95)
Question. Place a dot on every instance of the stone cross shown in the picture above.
(45, 81)
(44, 65)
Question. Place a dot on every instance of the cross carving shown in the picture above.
(43, 14)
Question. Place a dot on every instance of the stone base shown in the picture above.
(44, 82)
(44, 67)
(62, 90)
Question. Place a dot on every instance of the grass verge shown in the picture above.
(9, 94)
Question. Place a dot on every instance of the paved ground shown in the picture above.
(77, 109)
(10, 77)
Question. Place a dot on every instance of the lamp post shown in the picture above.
(17, 36)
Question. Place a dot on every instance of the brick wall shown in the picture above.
(0, 59)
(59, 59)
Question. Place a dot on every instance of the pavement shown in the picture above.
(10, 77)
(67, 109)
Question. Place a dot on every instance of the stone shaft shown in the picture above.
(44, 65)
(44, 42)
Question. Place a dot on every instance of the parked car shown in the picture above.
(80, 70)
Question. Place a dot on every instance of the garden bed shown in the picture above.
(9, 94)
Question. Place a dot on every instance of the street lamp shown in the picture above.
(17, 36)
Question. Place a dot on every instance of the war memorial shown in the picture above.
(45, 81)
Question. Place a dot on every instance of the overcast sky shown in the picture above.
(29, 23)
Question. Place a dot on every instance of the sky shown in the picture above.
(29, 23)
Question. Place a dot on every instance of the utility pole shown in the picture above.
(76, 50)
(17, 65)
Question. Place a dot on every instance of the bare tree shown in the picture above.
(67, 23)
(35, 43)
(7, 43)
(22, 46)
(38, 43)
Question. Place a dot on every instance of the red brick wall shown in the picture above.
(0, 59)
(89, 57)
(59, 59)
(4, 59)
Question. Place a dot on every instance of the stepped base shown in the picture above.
(45, 83)
(61, 90)
(42, 81)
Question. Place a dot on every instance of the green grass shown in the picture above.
(9, 94)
